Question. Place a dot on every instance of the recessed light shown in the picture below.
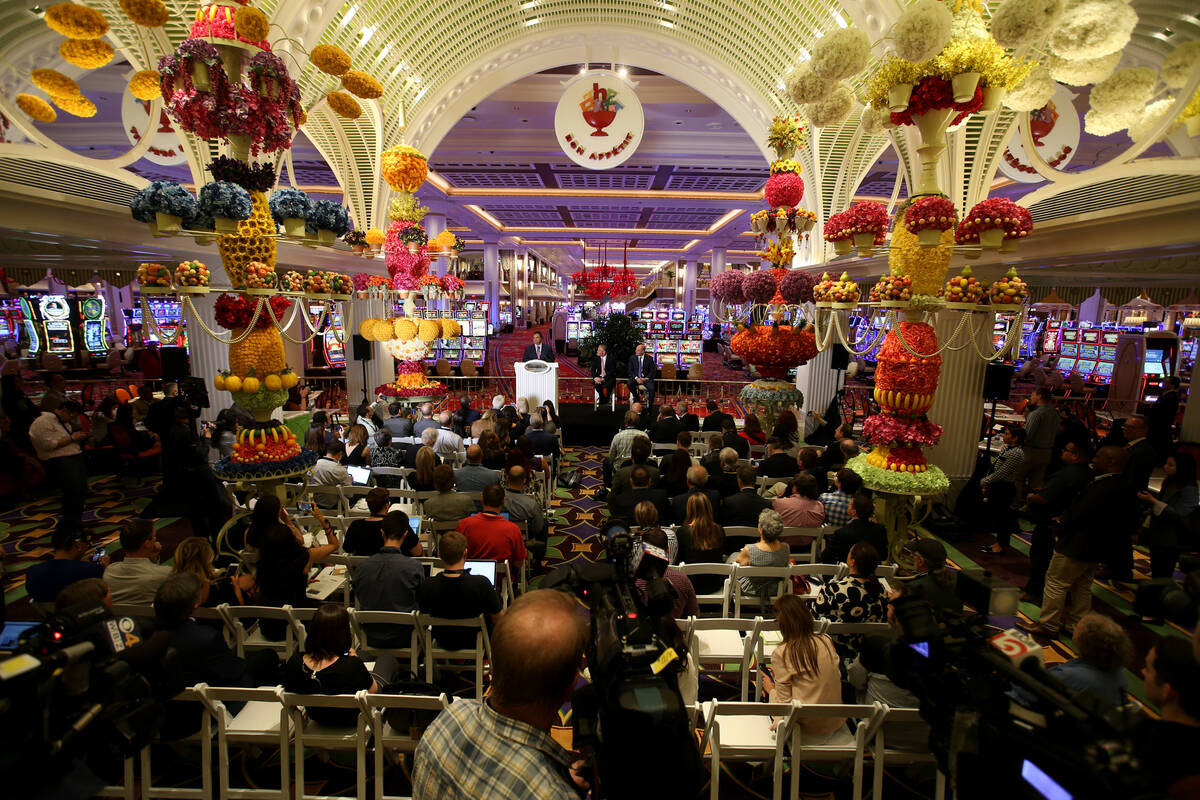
(678, 122)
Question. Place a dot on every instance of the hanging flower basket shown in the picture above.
(898, 97)
(844, 246)
(964, 86)
(864, 243)
(991, 238)
(225, 225)
(294, 226)
(326, 237)
(167, 223)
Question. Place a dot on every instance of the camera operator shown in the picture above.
(502, 747)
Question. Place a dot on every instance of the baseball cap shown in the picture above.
(933, 551)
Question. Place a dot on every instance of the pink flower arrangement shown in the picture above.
(930, 213)
(452, 283)
(361, 281)
(886, 429)
(796, 287)
(995, 212)
(405, 268)
(410, 367)
(220, 26)
(759, 286)
(934, 93)
(729, 287)
(784, 189)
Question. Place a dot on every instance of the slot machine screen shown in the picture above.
(1066, 365)
(1089, 351)
(572, 330)
(1050, 338)
(1104, 371)
(1108, 353)
(1070, 349)
(676, 329)
(1111, 338)
(1154, 363)
(662, 316)
(658, 328)
(1090, 336)
(678, 316)
(1070, 335)
(1085, 367)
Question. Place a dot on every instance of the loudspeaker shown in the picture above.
(362, 349)
(997, 381)
(840, 358)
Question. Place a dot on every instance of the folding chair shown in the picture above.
(433, 653)
(203, 738)
(436, 529)
(742, 732)
(362, 638)
(741, 533)
(350, 496)
(882, 756)
(763, 601)
(851, 747)
(262, 722)
(722, 641)
(801, 552)
(662, 447)
(721, 598)
(252, 638)
(388, 738)
(763, 482)
(393, 476)
(313, 734)
(127, 788)
(758, 452)
(323, 495)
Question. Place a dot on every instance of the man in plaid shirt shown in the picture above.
(837, 503)
(501, 748)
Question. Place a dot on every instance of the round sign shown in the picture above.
(164, 146)
(599, 121)
(1055, 129)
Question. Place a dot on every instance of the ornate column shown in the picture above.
(491, 282)
(958, 404)
(718, 262)
(818, 382)
(206, 355)
(380, 369)
(691, 270)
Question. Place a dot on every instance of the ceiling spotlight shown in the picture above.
(583, 70)
(623, 72)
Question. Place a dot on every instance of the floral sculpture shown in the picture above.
(992, 221)
(227, 203)
(164, 205)
(405, 249)
(928, 217)
(328, 221)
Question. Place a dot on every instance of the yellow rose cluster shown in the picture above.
(251, 24)
(404, 168)
(37, 108)
(344, 105)
(147, 13)
(330, 59)
(254, 241)
(361, 84)
(86, 53)
(54, 83)
(925, 265)
(145, 85)
(375, 236)
(76, 21)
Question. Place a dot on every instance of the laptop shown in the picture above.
(12, 632)
(360, 475)
(485, 568)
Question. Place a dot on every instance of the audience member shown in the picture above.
(743, 506)
(489, 535)
(44, 580)
(711, 460)
(398, 423)
(522, 455)
(725, 480)
(137, 577)
(1167, 746)
(768, 551)
(523, 507)
(383, 454)
(698, 482)
(421, 480)
(786, 428)
(1160, 418)
(687, 420)
(1041, 426)
(621, 506)
(201, 654)
(329, 665)
(426, 421)
(464, 417)
(856, 598)
(1169, 528)
(675, 464)
(847, 484)
(639, 455)
(447, 505)
(449, 444)
(622, 444)
(685, 604)
(714, 420)
(318, 435)
(805, 667)
(1103, 650)
(427, 438)
(329, 471)
(701, 541)
(282, 574)
(364, 536)
(56, 391)
(932, 580)
(777, 464)
(357, 451)
(473, 476)
(494, 456)
(503, 748)
(730, 438)
(545, 444)
(388, 581)
(999, 488)
(666, 427)
(60, 450)
(1049, 502)
(195, 556)
(89, 591)
(835, 456)
(752, 430)
(455, 593)
(801, 509)
(860, 528)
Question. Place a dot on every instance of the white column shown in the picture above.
(381, 368)
(207, 356)
(435, 224)
(718, 262)
(818, 382)
(691, 271)
(958, 405)
(491, 282)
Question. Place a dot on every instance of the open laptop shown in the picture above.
(361, 476)
(485, 568)
(11, 632)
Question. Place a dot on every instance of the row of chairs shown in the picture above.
(733, 595)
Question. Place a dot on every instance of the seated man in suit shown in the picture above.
(743, 506)
(777, 464)
(621, 506)
(666, 428)
(688, 420)
(639, 454)
(861, 529)
(730, 437)
(698, 481)
(604, 377)
(544, 444)
(715, 420)
(428, 438)
(642, 371)
(538, 351)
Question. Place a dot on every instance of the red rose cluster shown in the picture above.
(783, 189)
(234, 311)
(934, 93)
(900, 370)
(993, 213)
(932, 212)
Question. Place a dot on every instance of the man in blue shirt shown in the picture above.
(45, 580)
(388, 581)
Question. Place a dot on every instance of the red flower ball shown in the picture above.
(797, 286)
(899, 370)
(784, 189)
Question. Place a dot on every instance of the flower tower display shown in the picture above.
(259, 379)
(406, 248)
(408, 341)
(783, 219)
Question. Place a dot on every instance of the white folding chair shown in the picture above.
(812, 550)
(262, 722)
(252, 638)
(742, 732)
(203, 738)
(328, 498)
(848, 747)
(720, 598)
(763, 482)
(350, 497)
(722, 641)
(307, 732)
(762, 601)
(401, 619)
(388, 738)
(744, 534)
(882, 756)
(809, 571)
(758, 452)
(481, 653)
(127, 788)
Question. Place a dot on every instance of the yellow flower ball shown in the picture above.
(76, 21)
(86, 53)
(290, 379)
(273, 383)
(219, 383)
(250, 385)
(361, 84)
(146, 85)
(375, 236)
(450, 328)
(344, 105)
(405, 329)
(925, 265)
(251, 24)
(382, 330)
(366, 328)
(37, 108)
(147, 13)
(330, 59)
(429, 330)
(54, 83)
(76, 106)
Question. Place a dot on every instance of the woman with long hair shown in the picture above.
(645, 517)
(550, 416)
(328, 665)
(422, 479)
(486, 422)
(752, 430)
(856, 598)
(357, 448)
(805, 667)
(494, 456)
(522, 455)
(675, 465)
(702, 541)
(282, 575)
(195, 555)
(786, 427)
(1168, 528)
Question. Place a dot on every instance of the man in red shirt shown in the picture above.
(490, 537)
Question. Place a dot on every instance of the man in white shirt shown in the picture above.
(136, 578)
(449, 444)
(328, 471)
(58, 448)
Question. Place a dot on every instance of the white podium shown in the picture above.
(537, 381)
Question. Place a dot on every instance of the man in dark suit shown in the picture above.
(1160, 419)
(642, 371)
(666, 428)
(1141, 459)
(603, 376)
(621, 506)
(860, 529)
(715, 420)
(697, 481)
(777, 464)
(743, 506)
(538, 351)
(544, 444)
(687, 420)
(731, 439)
(428, 439)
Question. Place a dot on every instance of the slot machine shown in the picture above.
(333, 341)
(1089, 352)
(1106, 363)
(94, 323)
(1068, 350)
(55, 314)
(29, 319)
(1050, 336)
(1030, 334)
(1162, 352)
(11, 327)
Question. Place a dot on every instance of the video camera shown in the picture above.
(70, 693)
(632, 711)
(1003, 727)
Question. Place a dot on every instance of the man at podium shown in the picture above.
(538, 351)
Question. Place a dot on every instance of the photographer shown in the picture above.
(502, 748)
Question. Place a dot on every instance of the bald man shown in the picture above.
(449, 444)
(503, 748)
(474, 476)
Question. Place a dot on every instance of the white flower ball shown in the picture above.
(1150, 117)
(1126, 91)
(1084, 71)
(922, 30)
(875, 121)
(1101, 124)
(833, 109)
(805, 86)
(1021, 22)
(968, 24)
(1033, 92)
(1179, 66)
(840, 54)
(1093, 28)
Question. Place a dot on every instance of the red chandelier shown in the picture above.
(604, 281)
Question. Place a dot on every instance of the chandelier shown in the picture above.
(605, 281)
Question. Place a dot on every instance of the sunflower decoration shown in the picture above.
(251, 24)
(75, 21)
(146, 85)
(362, 85)
(86, 53)
(76, 106)
(147, 13)
(404, 168)
(344, 105)
(54, 83)
(330, 59)
(37, 108)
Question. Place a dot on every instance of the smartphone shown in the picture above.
(305, 506)
(99, 554)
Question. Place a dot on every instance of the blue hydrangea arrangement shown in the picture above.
(163, 197)
(290, 204)
(329, 216)
(225, 199)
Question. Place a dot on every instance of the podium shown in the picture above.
(537, 381)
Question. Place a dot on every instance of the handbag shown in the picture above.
(800, 585)
(570, 479)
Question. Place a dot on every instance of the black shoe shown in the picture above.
(988, 550)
